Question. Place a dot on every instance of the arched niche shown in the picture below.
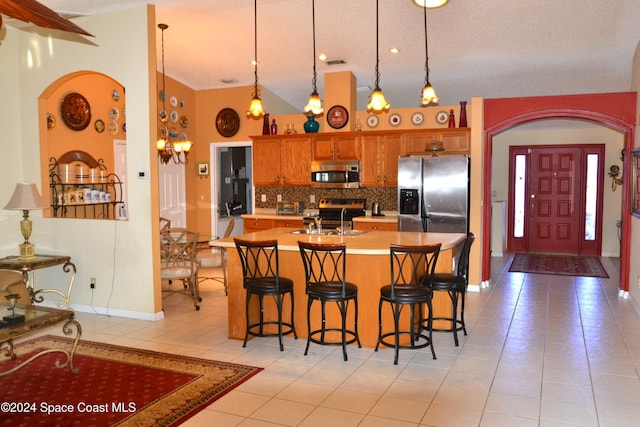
(613, 110)
(106, 100)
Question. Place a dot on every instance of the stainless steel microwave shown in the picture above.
(335, 174)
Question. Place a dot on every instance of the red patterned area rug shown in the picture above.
(116, 386)
(563, 265)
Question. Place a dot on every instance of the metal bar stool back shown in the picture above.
(455, 284)
(261, 277)
(412, 268)
(325, 277)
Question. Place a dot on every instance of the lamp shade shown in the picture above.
(26, 197)
(430, 4)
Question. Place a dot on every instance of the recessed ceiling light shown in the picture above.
(394, 50)
(322, 57)
(336, 62)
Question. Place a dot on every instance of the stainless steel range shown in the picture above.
(334, 211)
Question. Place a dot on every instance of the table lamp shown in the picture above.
(25, 198)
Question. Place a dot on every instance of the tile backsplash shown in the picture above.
(386, 196)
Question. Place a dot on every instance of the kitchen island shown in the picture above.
(368, 267)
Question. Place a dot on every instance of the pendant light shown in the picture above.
(377, 103)
(431, 4)
(314, 106)
(255, 109)
(167, 149)
(429, 96)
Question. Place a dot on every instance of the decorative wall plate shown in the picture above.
(184, 121)
(181, 104)
(114, 113)
(113, 128)
(99, 126)
(227, 122)
(394, 119)
(417, 118)
(75, 111)
(115, 95)
(442, 117)
(173, 116)
(372, 121)
(163, 115)
(51, 121)
(337, 117)
(173, 101)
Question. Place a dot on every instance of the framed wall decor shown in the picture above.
(635, 182)
(203, 169)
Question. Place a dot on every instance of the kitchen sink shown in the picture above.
(330, 232)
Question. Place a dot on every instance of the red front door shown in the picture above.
(558, 211)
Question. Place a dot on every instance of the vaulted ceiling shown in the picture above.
(488, 48)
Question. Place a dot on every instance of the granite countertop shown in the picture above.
(367, 243)
(390, 217)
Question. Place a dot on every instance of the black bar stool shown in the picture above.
(455, 284)
(260, 271)
(412, 268)
(325, 272)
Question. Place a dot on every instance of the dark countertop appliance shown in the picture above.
(330, 210)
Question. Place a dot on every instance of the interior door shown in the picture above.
(173, 204)
(555, 199)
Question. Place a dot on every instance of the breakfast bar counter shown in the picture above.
(368, 267)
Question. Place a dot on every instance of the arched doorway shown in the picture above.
(615, 111)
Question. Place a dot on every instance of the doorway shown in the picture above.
(555, 199)
(231, 185)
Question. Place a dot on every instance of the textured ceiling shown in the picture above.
(488, 48)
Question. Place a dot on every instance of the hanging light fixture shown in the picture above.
(429, 96)
(377, 103)
(314, 106)
(255, 109)
(431, 4)
(168, 149)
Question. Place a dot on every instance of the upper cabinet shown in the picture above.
(454, 141)
(335, 147)
(285, 160)
(282, 161)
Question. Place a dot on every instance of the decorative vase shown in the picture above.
(265, 125)
(463, 115)
(290, 129)
(274, 127)
(452, 119)
(311, 126)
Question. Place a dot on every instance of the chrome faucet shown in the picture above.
(341, 229)
(318, 222)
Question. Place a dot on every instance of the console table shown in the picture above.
(41, 261)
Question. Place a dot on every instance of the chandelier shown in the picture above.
(314, 106)
(255, 109)
(377, 103)
(169, 147)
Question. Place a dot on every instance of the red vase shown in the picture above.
(463, 115)
(452, 119)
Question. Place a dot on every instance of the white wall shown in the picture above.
(557, 131)
(117, 253)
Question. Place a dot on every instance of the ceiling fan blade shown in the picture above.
(38, 14)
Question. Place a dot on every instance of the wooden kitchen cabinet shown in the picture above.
(335, 147)
(251, 225)
(282, 161)
(288, 223)
(454, 141)
(372, 226)
(379, 160)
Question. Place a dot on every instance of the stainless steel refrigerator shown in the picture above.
(433, 194)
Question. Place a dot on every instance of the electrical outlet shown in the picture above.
(279, 198)
(93, 283)
(312, 198)
(263, 198)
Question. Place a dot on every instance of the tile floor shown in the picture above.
(541, 351)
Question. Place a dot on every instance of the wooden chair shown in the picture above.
(214, 258)
(179, 262)
(165, 223)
